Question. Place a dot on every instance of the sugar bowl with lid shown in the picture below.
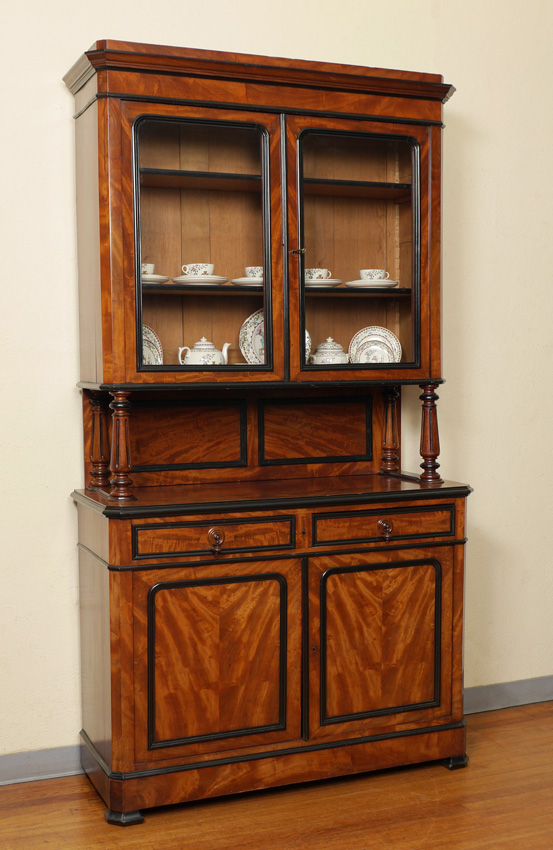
(329, 352)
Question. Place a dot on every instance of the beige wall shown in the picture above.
(495, 409)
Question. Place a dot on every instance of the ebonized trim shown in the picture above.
(327, 719)
(247, 757)
(344, 458)
(266, 225)
(376, 512)
(254, 385)
(280, 725)
(290, 519)
(246, 558)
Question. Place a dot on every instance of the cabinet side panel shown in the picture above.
(95, 652)
(88, 242)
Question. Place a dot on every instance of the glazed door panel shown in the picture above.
(363, 251)
(203, 248)
(381, 627)
(217, 658)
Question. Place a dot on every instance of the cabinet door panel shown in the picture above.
(217, 658)
(385, 640)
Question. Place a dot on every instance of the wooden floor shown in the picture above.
(503, 799)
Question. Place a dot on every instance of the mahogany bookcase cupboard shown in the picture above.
(266, 597)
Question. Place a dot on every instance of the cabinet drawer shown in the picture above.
(213, 536)
(368, 526)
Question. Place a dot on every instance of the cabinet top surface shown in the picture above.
(108, 54)
(269, 494)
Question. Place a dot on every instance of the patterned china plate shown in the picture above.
(374, 345)
(151, 341)
(154, 278)
(369, 284)
(252, 339)
(150, 354)
(329, 281)
(200, 279)
(247, 281)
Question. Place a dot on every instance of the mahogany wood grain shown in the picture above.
(99, 449)
(95, 652)
(120, 458)
(485, 807)
(360, 526)
(88, 245)
(318, 429)
(361, 594)
(430, 440)
(192, 536)
(218, 678)
(379, 646)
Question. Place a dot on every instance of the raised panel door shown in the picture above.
(381, 637)
(217, 658)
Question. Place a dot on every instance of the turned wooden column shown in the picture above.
(120, 461)
(99, 445)
(390, 441)
(430, 440)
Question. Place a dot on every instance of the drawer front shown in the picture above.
(370, 526)
(213, 536)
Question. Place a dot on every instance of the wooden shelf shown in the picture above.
(357, 189)
(162, 178)
(183, 288)
(339, 291)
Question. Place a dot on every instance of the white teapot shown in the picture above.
(329, 352)
(204, 353)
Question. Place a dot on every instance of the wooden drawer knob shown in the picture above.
(216, 538)
(386, 527)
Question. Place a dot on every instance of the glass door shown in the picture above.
(358, 236)
(203, 258)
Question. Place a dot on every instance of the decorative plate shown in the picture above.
(370, 284)
(374, 345)
(151, 341)
(150, 354)
(329, 281)
(247, 281)
(200, 279)
(154, 278)
(252, 338)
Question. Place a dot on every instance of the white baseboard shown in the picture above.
(65, 761)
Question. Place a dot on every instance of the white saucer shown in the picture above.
(329, 281)
(154, 278)
(247, 281)
(200, 279)
(370, 284)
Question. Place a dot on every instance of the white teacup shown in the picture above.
(148, 268)
(197, 269)
(254, 271)
(374, 274)
(318, 274)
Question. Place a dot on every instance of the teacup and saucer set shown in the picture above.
(254, 277)
(320, 277)
(148, 275)
(373, 277)
(199, 274)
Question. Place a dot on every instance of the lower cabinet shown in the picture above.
(247, 672)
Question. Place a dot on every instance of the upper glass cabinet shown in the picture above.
(202, 248)
(358, 232)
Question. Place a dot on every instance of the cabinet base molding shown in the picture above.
(125, 794)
